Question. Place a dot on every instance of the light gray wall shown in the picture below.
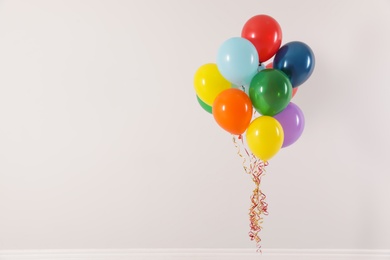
(103, 145)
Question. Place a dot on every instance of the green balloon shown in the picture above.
(270, 92)
(204, 105)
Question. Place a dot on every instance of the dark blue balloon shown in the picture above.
(296, 60)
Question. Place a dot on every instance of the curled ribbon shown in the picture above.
(259, 207)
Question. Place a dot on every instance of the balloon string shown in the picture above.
(249, 154)
(244, 159)
(259, 206)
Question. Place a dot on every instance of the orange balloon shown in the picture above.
(232, 109)
(295, 90)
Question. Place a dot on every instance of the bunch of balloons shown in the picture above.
(239, 83)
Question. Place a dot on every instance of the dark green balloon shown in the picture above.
(204, 105)
(270, 92)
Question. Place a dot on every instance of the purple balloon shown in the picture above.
(293, 123)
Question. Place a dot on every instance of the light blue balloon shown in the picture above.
(238, 61)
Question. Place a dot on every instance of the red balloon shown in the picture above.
(232, 109)
(295, 90)
(265, 34)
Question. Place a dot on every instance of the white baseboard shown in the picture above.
(195, 254)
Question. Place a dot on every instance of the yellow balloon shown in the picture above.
(265, 137)
(209, 82)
